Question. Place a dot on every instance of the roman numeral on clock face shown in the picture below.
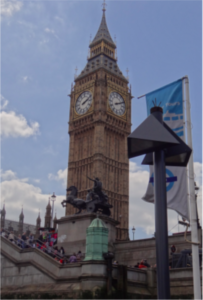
(117, 103)
(83, 103)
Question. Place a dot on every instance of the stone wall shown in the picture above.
(19, 275)
(31, 271)
(130, 252)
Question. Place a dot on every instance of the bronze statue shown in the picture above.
(97, 190)
(73, 200)
(96, 199)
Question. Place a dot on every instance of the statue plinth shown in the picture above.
(72, 231)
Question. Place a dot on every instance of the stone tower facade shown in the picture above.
(47, 219)
(99, 123)
(38, 224)
(20, 224)
(3, 216)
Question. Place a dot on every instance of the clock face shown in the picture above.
(117, 103)
(83, 103)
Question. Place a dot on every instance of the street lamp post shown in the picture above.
(133, 230)
(53, 198)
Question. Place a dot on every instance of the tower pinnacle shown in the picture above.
(104, 4)
(103, 32)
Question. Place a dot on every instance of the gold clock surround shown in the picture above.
(123, 95)
(77, 94)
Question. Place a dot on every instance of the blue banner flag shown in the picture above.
(170, 98)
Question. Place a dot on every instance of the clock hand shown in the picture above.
(86, 100)
(119, 103)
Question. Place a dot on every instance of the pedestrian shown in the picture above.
(137, 265)
(146, 263)
(79, 256)
(62, 251)
(19, 243)
(173, 249)
(141, 265)
(11, 237)
(31, 239)
(73, 258)
(3, 234)
(61, 261)
(24, 238)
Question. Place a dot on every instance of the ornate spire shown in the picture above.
(38, 218)
(48, 205)
(3, 212)
(103, 32)
(21, 217)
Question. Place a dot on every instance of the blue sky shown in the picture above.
(42, 43)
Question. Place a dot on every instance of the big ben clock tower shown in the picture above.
(99, 123)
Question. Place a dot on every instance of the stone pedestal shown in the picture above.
(72, 231)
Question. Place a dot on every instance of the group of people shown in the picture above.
(45, 243)
(22, 241)
(72, 259)
(141, 265)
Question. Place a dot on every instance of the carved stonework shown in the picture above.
(98, 138)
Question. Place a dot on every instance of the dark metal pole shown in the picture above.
(161, 226)
(108, 257)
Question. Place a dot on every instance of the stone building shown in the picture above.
(3, 216)
(38, 224)
(47, 219)
(20, 225)
(99, 123)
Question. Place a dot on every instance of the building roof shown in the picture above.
(38, 218)
(15, 226)
(103, 33)
(21, 215)
(102, 61)
(3, 212)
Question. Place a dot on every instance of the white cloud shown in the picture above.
(16, 192)
(26, 79)
(50, 150)
(16, 125)
(8, 8)
(8, 175)
(141, 212)
(48, 30)
(4, 102)
(36, 180)
(44, 41)
(61, 176)
(59, 19)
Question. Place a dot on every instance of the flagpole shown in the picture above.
(193, 216)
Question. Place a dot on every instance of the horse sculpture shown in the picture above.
(73, 200)
(96, 199)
